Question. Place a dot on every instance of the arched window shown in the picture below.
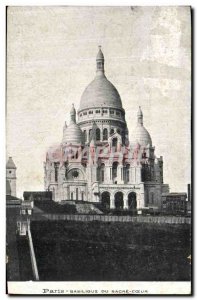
(90, 134)
(98, 174)
(71, 195)
(132, 203)
(105, 200)
(114, 170)
(99, 65)
(102, 172)
(143, 173)
(98, 134)
(71, 153)
(77, 193)
(56, 166)
(114, 144)
(85, 135)
(111, 131)
(123, 136)
(105, 134)
(151, 198)
(127, 172)
(119, 204)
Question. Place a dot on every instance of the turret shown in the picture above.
(11, 177)
(73, 114)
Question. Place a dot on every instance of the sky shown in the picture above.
(51, 54)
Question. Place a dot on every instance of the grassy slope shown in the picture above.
(111, 251)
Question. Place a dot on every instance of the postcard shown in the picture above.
(98, 172)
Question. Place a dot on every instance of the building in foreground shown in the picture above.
(97, 161)
(175, 203)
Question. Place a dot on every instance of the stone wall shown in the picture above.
(102, 218)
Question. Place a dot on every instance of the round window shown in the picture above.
(75, 174)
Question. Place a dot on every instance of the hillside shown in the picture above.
(111, 251)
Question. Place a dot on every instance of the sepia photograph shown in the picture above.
(98, 150)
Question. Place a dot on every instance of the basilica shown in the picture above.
(98, 161)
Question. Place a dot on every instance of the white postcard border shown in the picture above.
(99, 288)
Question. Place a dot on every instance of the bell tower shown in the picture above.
(11, 175)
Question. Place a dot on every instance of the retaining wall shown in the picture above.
(107, 218)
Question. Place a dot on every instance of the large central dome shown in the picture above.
(100, 92)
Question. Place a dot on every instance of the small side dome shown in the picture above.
(72, 134)
(140, 135)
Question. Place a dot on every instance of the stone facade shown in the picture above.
(97, 161)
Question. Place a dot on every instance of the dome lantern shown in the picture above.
(100, 62)
(140, 116)
(73, 114)
(100, 92)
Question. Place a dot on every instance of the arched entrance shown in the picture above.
(105, 200)
(119, 204)
(132, 202)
